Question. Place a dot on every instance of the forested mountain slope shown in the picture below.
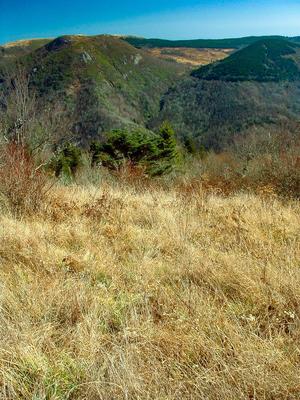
(103, 81)
(257, 87)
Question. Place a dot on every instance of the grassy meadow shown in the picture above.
(139, 290)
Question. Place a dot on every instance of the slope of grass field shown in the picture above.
(121, 292)
(189, 56)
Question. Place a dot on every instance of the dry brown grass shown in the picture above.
(121, 293)
(21, 43)
(193, 57)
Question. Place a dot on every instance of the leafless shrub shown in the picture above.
(23, 185)
(259, 163)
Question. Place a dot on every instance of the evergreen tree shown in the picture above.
(168, 142)
(66, 161)
(157, 152)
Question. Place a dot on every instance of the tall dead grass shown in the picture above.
(123, 293)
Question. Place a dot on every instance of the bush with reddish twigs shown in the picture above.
(132, 174)
(254, 164)
(23, 184)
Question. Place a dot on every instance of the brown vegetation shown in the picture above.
(21, 43)
(127, 291)
(23, 184)
(189, 56)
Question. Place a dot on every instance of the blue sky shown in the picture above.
(176, 19)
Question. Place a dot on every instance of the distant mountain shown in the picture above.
(105, 82)
(233, 43)
(265, 60)
(256, 87)
(12, 51)
(295, 39)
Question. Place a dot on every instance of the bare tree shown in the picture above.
(29, 120)
(20, 105)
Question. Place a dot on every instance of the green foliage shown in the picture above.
(53, 73)
(10, 54)
(266, 60)
(157, 153)
(134, 146)
(213, 112)
(190, 144)
(66, 162)
(168, 142)
(202, 152)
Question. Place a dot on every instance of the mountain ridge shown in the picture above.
(106, 83)
(264, 60)
(103, 81)
(204, 43)
(139, 41)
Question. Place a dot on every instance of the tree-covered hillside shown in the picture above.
(266, 60)
(102, 81)
(234, 43)
(212, 113)
(12, 51)
(256, 87)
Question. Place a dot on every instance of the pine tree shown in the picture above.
(168, 143)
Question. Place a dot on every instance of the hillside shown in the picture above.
(265, 60)
(201, 43)
(105, 82)
(14, 50)
(189, 56)
(256, 87)
(186, 55)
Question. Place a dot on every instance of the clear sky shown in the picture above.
(176, 19)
